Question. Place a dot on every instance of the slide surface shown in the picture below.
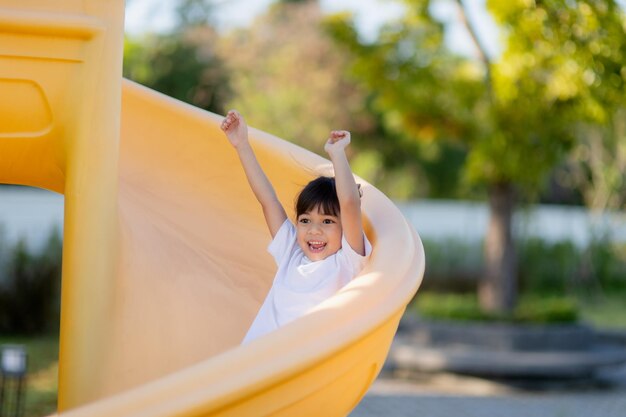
(194, 271)
(165, 261)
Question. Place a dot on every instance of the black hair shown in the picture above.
(321, 193)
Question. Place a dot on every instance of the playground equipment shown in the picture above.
(164, 262)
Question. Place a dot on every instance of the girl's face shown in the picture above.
(318, 234)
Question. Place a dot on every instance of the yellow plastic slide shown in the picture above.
(165, 262)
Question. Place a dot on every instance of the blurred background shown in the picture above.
(498, 128)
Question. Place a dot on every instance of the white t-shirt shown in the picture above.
(300, 284)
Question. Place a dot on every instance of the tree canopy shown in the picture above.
(518, 116)
(288, 77)
(183, 63)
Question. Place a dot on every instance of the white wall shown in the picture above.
(33, 213)
(441, 219)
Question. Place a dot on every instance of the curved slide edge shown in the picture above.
(321, 364)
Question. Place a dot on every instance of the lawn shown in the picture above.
(609, 311)
(41, 383)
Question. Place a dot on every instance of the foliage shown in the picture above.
(545, 268)
(466, 307)
(423, 94)
(290, 79)
(287, 76)
(549, 268)
(542, 309)
(182, 64)
(598, 164)
(607, 310)
(563, 268)
(608, 263)
(30, 287)
(453, 264)
(193, 14)
(517, 117)
(562, 59)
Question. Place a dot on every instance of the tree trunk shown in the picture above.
(497, 290)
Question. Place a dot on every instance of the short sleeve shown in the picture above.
(355, 260)
(283, 241)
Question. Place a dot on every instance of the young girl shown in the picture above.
(323, 251)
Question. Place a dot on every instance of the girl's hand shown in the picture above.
(338, 140)
(235, 128)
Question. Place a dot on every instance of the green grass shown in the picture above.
(530, 309)
(608, 311)
(42, 378)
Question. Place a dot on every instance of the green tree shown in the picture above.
(183, 63)
(597, 166)
(287, 77)
(517, 115)
(30, 284)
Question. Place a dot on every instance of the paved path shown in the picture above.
(453, 396)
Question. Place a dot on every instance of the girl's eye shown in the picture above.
(329, 221)
(304, 221)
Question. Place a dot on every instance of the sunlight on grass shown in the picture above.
(42, 391)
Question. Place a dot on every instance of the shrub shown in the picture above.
(551, 309)
(546, 268)
(30, 287)
(449, 306)
(607, 264)
(452, 265)
(530, 309)
(563, 268)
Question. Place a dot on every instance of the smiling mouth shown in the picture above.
(316, 246)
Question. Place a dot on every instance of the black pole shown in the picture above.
(19, 401)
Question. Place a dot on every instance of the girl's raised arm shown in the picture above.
(347, 190)
(236, 131)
